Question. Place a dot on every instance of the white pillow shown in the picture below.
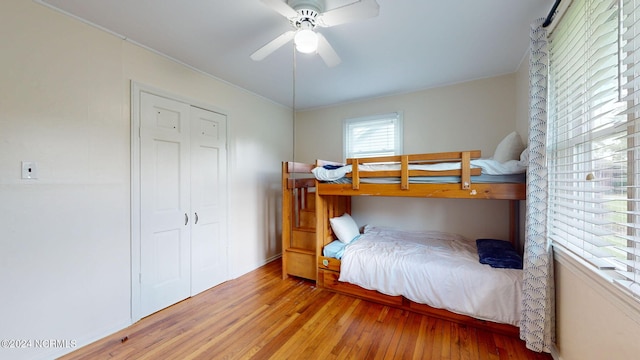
(345, 228)
(509, 148)
(524, 157)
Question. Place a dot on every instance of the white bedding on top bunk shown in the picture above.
(488, 166)
(434, 268)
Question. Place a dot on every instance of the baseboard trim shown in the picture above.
(84, 341)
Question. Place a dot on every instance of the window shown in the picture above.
(379, 135)
(593, 148)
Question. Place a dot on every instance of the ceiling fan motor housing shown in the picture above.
(308, 11)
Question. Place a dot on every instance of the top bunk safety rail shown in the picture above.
(303, 179)
(404, 173)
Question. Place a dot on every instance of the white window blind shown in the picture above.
(379, 135)
(630, 86)
(593, 159)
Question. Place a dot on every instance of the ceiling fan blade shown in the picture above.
(281, 7)
(362, 9)
(273, 45)
(326, 52)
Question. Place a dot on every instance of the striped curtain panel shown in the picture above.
(538, 312)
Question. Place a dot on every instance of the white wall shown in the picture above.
(467, 116)
(591, 322)
(65, 238)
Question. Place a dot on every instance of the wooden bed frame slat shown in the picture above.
(404, 172)
(296, 167)
(449, 191)
(355, 175)
(399, 173)
(301, 183)
(465, 170)
(428, 158)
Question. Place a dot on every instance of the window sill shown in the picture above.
(619, 297)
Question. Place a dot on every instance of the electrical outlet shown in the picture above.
(29, 170)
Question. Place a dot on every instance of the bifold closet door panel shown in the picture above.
(208, 199)
(165, 234)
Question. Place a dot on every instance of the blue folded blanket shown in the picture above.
(332, 167)
(335, 249)
(498, 254)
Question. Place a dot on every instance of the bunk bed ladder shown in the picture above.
(298, 221)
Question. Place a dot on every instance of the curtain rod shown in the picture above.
(552, 13)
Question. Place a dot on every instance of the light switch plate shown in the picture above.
(29, 170)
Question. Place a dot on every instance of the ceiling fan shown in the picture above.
(305, 16)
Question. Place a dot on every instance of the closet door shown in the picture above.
(165, 274)
(208, 199)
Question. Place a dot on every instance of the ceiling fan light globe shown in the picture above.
(306, 41)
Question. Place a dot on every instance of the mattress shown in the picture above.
(512, 171)
(478, 179)
(438, 269)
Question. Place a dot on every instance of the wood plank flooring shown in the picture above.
(261, 316)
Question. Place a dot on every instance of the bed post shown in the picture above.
(286, 215)
(322, 224)
(465, 170)
(514, 222)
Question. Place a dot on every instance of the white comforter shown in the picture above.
(438, 269)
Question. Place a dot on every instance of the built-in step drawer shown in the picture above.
(329, 263)
(300, 262)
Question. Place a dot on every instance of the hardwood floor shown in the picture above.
(261, 316)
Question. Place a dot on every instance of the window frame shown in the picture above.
(395, 117)
(596, 135)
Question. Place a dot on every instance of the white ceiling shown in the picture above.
(411, 45)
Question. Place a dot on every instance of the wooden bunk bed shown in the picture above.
(333, 199)
(309, 204)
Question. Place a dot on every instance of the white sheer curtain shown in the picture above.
(538, 310)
